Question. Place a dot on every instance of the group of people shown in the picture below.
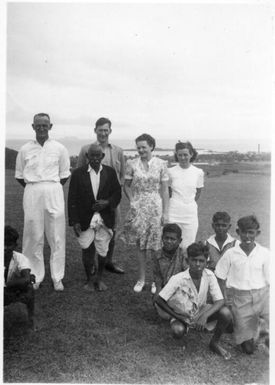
(222, 281)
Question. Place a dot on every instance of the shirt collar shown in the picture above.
(187, 275)
(90, 169)
(213, 242)
(240, 251)
(46, 141)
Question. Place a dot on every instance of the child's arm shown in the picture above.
(224, 291)
(201, 321)
(164, 306)
(20, 282)
(157, 274)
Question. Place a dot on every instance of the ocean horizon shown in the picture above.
(166, 146)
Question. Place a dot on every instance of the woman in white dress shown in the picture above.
(185, 184)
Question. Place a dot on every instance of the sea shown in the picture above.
(164, 146)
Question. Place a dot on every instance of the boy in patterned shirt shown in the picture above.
(184, 299)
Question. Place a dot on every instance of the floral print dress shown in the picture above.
(143, 220)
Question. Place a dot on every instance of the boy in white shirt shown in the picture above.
(184, 299)
(221, 241)
(18, 280)
(244, 271)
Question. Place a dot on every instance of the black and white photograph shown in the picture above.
(136, 160)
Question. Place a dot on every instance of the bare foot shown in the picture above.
(100, 286)
(89, 287)
(216, 348)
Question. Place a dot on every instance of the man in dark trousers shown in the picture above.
(94, 194)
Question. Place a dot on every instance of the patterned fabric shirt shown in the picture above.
(165, 266)
(182, 296)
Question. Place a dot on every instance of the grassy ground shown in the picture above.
(116, 337)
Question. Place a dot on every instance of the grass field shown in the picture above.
(116, 337)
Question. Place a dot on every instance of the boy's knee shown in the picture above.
(225, 315)
(178, 329)
(248, 346)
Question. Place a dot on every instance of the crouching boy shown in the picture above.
(18, 279)
(184, 299)
(243, 271)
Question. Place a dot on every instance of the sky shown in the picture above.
(176, 71)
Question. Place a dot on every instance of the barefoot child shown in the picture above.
(221, 241)
(17, 278)
(184, 299)
(244, 270)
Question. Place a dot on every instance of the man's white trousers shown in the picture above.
(44, 212)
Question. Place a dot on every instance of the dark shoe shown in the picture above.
(113, 268)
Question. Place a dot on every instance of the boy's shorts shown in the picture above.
(247, 307)
(101, 237)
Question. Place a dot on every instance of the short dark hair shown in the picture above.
(102, 121)
(40, 114)
(172, 228)
(11, 236)
(248, 222)
(181, 146)
(148, 138)
(221, 216)
(196, 249)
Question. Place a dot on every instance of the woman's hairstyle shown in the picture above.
(248, 222)
(148, 138)
(181, 146)
(196, 249)
(11, 236)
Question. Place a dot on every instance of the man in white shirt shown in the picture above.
(42, 167)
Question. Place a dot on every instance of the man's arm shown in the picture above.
(73, 199)
(122, 168)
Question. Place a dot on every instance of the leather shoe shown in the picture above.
(113, 268)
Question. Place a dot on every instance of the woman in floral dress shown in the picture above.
(146, 187)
